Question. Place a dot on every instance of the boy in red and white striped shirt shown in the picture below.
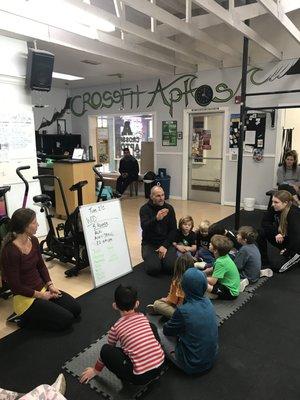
(140, 357)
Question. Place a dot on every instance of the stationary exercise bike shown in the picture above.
(100, 178)
(5, 224)
(65, 243)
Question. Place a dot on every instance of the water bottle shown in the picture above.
(91, 153)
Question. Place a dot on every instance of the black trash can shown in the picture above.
(164, 182)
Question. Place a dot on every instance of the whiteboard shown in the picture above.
(16, 135)
(14, 199)
(106, 241)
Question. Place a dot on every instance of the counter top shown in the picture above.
(70, 161)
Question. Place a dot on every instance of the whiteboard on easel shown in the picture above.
(106, 241)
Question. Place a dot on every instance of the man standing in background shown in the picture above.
(129, 170)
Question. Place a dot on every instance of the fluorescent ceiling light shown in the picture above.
(66, 77)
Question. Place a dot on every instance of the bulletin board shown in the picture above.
(255, 130)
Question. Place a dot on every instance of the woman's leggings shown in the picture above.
(52, 315)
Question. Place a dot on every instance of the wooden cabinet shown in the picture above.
(71, 173)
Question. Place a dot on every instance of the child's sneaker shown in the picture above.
(60, 384)
(267, 272)
(243, 284)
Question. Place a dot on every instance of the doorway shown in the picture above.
(206, 131)
(109, 134)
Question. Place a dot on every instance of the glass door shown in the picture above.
(205, 157)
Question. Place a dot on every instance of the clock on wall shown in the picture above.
(204, 95)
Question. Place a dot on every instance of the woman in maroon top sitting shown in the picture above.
(36, 300)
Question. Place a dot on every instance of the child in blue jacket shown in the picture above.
(193, 327)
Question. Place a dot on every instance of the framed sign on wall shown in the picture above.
(169, 133)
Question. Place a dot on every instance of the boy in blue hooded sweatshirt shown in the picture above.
(194, 326)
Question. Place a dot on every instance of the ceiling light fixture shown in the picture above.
(66, 77)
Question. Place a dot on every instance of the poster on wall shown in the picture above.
(234, 130)
(103, 133)
(206, 140)
(16, 136)
(169, 133)
(129, 133)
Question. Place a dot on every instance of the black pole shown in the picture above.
(276, 92)
(268, 109)
(243, 113)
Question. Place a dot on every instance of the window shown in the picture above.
(131, 131)
(102, 122)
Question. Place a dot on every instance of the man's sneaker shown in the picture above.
(60, 384)
(294, 260)
(267, 272)
(150, 309)
(243, 284)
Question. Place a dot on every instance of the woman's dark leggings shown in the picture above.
(51, 315)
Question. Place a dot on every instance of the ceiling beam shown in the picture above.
(242, 12)
(137, 49)
(181, 26)
(146, 34)
(277, 12)
(29, 29)
(111, 40)
(234, 22)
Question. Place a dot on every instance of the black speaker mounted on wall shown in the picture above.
(39, 70)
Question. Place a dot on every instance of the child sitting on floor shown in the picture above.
(202, 241)
(185, 239)
(190, 337)
(139, 358)
(224, 282)
(248, 258)
(167, 305)
(206, 255)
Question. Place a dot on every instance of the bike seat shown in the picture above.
(78, 185)
(3, 190)
(42, 198)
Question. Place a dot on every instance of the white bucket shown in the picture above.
(249, 203)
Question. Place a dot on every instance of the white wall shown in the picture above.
(257, 177)
(292, 120)
(53, 101)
